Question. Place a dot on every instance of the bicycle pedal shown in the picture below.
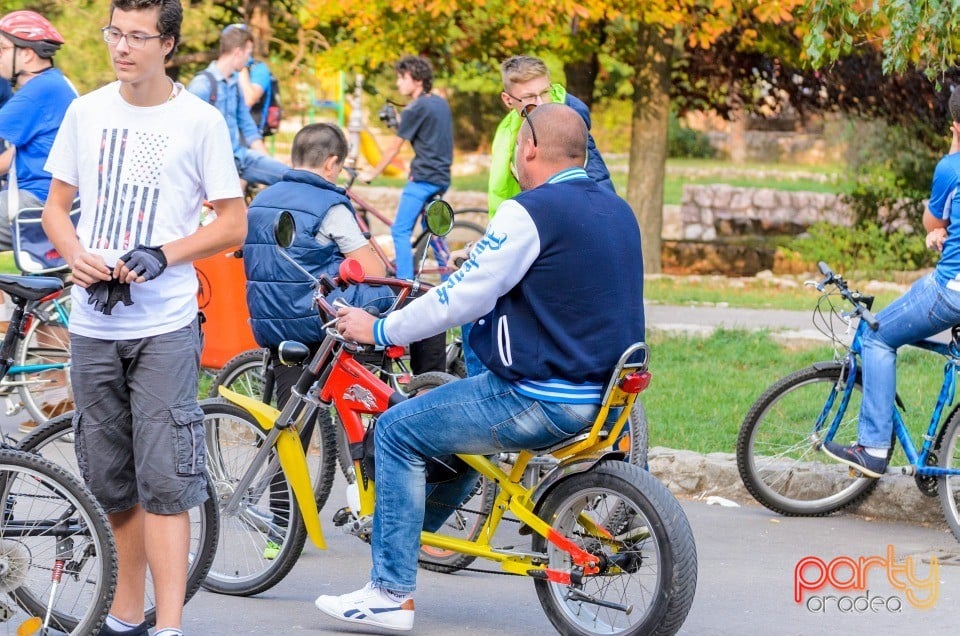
(343, 516)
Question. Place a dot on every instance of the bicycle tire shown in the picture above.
(52, 443)
(245, 374)
(38, 487)
(461, 233)
(651, 563)
(776, 457)
(46, 394)
(948, 486)
(467, 520)
(242, 566)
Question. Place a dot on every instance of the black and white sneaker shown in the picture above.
(369, 606)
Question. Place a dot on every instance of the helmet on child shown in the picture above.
(31, 30)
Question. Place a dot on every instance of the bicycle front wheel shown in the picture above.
(54, 442)
(648, 561)
(777, 457)
(247, 373)
(46, 392)
(59, 560)
(262, 536)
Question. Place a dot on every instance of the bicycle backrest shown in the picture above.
(33, 252)
(626, 382)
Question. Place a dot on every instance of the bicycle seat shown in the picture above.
(30, 287)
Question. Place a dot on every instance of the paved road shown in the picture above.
(747, 562)
(747, 558)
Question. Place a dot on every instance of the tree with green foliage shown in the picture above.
(647, 39)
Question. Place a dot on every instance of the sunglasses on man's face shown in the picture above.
(525, 114)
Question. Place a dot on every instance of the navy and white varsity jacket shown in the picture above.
(555, 287)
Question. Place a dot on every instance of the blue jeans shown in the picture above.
(925, 310)
(257, 168)
(481, 415)
(412, 200)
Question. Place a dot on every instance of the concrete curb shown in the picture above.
(695, 475)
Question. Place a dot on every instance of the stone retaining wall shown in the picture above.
(694, 475)
(713, 212)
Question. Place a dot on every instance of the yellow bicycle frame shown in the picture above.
(581, 452)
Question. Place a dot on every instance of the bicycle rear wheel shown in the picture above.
(777, 457)
(51, 524)
(948, 486)
(54, 442)
(648, 574)
(46, 393)
(262, 539)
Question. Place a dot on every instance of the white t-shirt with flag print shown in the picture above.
(142, 175)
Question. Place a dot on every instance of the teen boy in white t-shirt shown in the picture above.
(142, 153)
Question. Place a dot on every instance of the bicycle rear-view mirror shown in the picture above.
(440, 217)
(284, 229)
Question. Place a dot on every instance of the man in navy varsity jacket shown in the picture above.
(556, 289)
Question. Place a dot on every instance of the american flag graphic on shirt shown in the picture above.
(128, 187)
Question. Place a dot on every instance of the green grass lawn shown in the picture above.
(752, 293)
(703, 387)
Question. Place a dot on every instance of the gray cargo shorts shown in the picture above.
(139, 429)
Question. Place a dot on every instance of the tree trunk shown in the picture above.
(581, 78)
(648, 139)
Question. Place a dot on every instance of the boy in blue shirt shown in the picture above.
(30, 119)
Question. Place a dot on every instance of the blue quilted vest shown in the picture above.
(279, 296)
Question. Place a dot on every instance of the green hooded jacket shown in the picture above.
(502, 184)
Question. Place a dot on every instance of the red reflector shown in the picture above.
(395, 352)
(635, 382)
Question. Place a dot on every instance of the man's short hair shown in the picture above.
(168, 22)
(522, 68)
(418, 68)
(315, 143)
(955, 104)
(233, 37)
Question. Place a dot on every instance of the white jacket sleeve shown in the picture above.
(496, 264)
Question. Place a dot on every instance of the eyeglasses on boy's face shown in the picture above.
(113, 35)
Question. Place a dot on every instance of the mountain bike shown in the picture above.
(778, 447)
(57, 554)
(611, 550)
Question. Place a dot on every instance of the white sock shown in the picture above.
(877, 452)
(394, 597)
(168, 631)
(118, 625)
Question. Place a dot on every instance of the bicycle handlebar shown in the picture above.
(860, 302)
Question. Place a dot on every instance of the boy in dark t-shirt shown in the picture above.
(427, 124)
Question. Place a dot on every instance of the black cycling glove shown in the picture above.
(145, 261)
(98, 294)
(105, 294)
(119, 292)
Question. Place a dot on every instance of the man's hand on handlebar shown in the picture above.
(355, 324)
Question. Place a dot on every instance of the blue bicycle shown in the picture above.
(778, 447)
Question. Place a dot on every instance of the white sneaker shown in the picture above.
(368, 606)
